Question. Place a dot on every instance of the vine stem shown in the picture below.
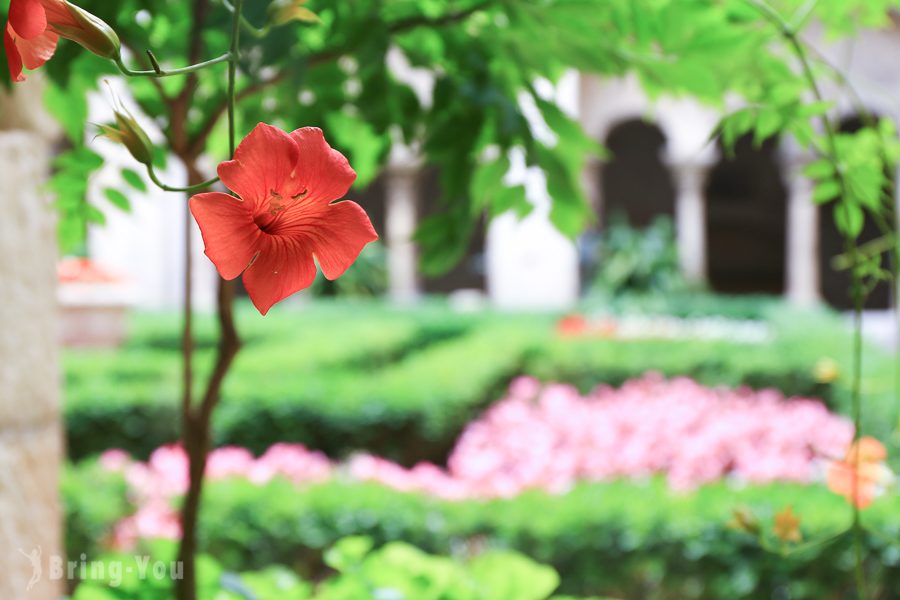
(188, 189)
(789, 33)
(155, 73)
(197, 419)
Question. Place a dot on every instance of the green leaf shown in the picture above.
(487, 183)
(819, 169)
(348, 553)
(507, 575)
(826, 191)
(118, 199)
(94, 215)
(570, 212)
(849, 219)
(134, 179)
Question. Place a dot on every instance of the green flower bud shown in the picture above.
(282, 12)
(128, 133)
(89, 31)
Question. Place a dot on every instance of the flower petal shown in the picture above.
(13, 58)
(843, 479)
(37, 51)
(264, 162)
(27, 18)
(335, 233)
(284, 266)
(229, 233)
(59, 14)
(323, 171)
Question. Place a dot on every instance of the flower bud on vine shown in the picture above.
(90, 32)
(128, 133)
(282, 12)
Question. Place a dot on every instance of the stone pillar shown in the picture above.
(401, 220)
(802, 244)
(592, 184)
(689, 178)
(30, 436)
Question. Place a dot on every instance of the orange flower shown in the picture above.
(572, 325)
(287, 215)
(862, 475)
(787, 525)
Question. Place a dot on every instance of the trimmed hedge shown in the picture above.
(402, 384)
(788, 363)
(623, 539)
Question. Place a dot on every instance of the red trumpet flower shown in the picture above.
(286, 214)
(35, 26)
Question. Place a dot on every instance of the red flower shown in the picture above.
(28, 39)
(286, 214)
(35, 26)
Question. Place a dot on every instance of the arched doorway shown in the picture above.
(836, 284)
(635, 183)
(746, 221)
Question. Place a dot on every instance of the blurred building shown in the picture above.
(745, 221)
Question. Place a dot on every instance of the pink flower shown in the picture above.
(115, 460)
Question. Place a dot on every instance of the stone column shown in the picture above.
(802, 244)
(30, 436)
(401, 219)
(689, 178)
(592, 184)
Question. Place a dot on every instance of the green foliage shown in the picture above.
(397, 570)
(94, 500)
(333, 71)
(865, 159)
(70, 184)
(624, 539)
(638, 261)
(855, 169)
(407, 572)
(402, 383)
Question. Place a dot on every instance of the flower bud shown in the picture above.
(128, 133)
(282, 12)
(743, 519)
(89, 31)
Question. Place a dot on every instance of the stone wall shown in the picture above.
(30, 432)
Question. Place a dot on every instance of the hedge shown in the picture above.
(399, 386)
(622, 539)
(802, 340)
(403, 384)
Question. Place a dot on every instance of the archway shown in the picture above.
(746, 220)
(635, 182)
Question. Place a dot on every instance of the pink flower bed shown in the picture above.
(550, 437)
(157, 482)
